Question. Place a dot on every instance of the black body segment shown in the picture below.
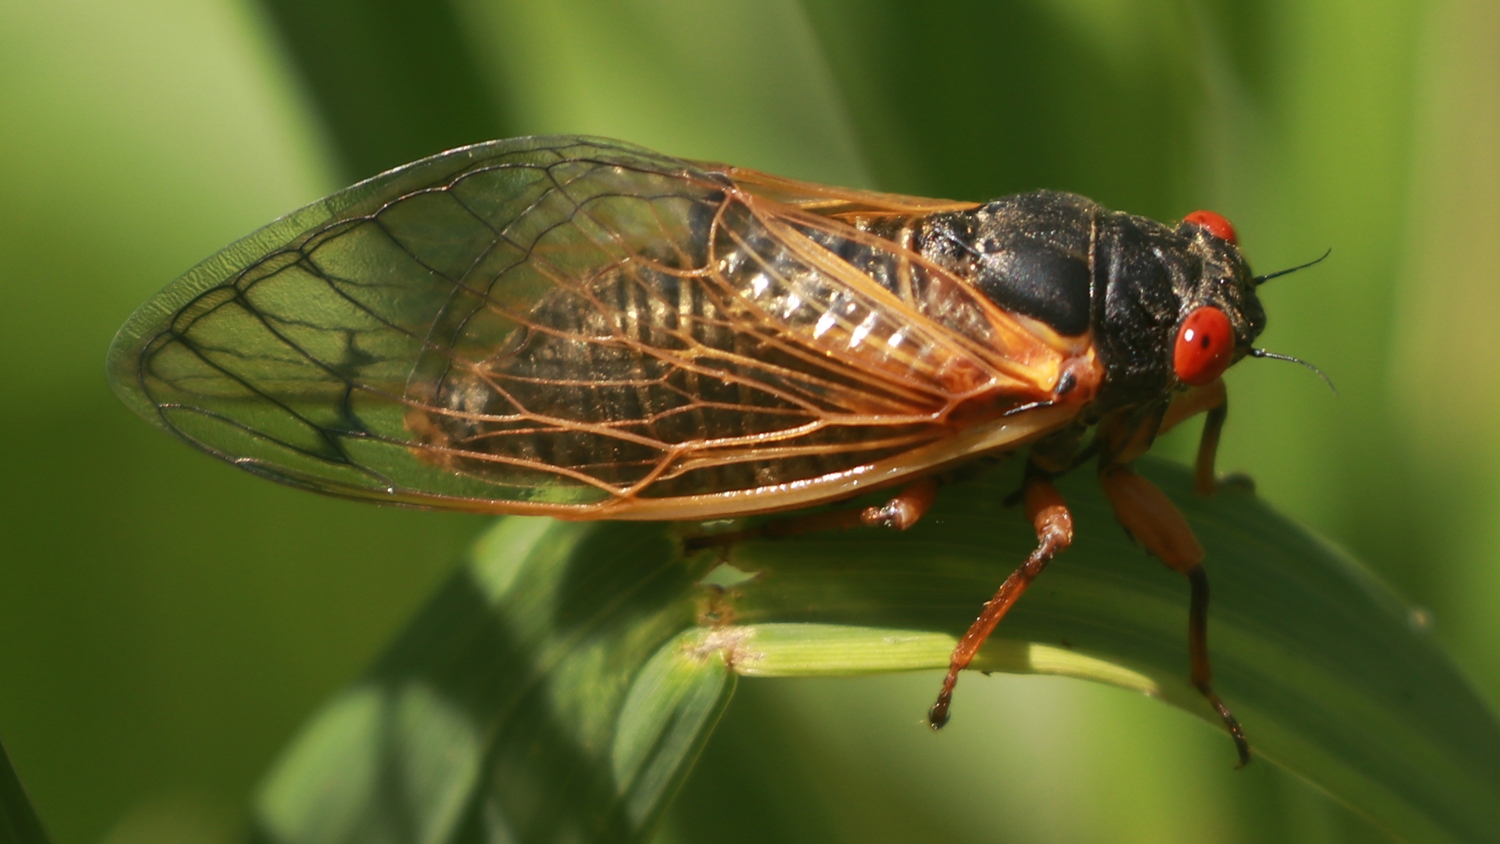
(1124, 280)
(1030, 254)
(1138, 265)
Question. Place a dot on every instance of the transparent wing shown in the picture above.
(583, 328)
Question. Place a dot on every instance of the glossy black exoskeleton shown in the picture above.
(1067, 261)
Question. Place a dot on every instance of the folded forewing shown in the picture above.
(578, 327)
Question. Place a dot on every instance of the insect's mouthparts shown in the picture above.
(1262, 279)
(1262, 353)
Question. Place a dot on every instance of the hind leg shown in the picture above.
(1049, 514)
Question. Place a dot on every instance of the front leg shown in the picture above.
(1213, 400)
(1155, 522)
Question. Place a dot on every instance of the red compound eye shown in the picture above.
(1216, 225)
(1205, 344)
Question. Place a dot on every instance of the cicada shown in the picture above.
(582, 328)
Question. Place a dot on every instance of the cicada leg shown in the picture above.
(1155, 522)
(905, 509)
(1212, 400)
(1054, 532)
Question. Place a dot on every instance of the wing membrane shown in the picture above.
(583, 328)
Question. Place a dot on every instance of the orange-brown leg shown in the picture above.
(1054, 532)
(1190, 403)
(1156, 523)
(1204, 480)
(1212, 399)
(901, 512)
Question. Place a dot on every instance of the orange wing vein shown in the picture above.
(587, 329)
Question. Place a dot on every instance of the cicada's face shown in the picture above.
(1220, 316)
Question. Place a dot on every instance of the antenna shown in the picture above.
(1262, 353)
(1262, 279)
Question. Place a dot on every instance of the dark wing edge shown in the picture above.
(146, 321)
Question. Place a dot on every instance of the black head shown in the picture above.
(1219, 314)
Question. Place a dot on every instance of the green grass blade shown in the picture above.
(19, 823)
(1328, 671)
(544, 694)
(562, 684)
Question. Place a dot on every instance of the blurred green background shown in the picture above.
(167, 622)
